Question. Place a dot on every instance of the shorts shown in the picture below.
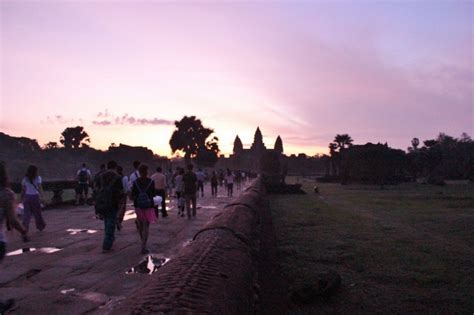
(82, 188)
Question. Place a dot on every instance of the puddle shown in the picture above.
(149, 265)
(77, 231)
(129, 215)
(66, 291)
(186, 243)
(44, 250)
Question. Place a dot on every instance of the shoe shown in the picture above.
(119, 226)
(25, 238)
(105, 251)
(182, 214)
(145, 251)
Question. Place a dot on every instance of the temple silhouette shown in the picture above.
(255, 158)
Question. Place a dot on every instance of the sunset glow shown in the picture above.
(305, 71)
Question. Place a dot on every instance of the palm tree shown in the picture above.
(343, 141)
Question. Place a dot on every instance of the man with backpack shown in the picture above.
(83, 177)
(109, 193)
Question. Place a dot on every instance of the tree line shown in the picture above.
(439, 159)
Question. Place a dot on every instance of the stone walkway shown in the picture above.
(78, 278)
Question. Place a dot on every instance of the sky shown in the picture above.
(381, 71)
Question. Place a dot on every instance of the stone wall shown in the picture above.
(218, 272)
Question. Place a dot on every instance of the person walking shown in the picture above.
(95, 181)
(214, 183)
(7, 215)
(169, 181)
(83, 177)
(200, 181)
(143, 191)
(229, 179)
(159, 180)
(32, 196)
(179, 189)
(133, 177)
(110, 191)
(122, 207)
(189, 180)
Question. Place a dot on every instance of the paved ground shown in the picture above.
(79, 278)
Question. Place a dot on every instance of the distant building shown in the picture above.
(251, 159)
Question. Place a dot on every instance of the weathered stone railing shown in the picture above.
(57, 187)
(217, 272)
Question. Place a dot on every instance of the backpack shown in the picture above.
(143, 201)
(82, 177)
(104, 200)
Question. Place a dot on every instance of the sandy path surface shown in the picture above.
(79, 278)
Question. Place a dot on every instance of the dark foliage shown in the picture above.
(191, 137)
(74, 138)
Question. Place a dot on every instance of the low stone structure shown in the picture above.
(217, 273)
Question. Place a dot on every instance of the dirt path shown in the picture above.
(79, 278)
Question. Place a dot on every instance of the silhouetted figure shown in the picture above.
(200, 181)
(190, 180)
(95, 182)
(179, 189)
(214, 184)
(229, 179)
(143, 191)
(133, 177)
(109, 193)
(123, 198)
(83, 177)
(159, 180)
(32, 196)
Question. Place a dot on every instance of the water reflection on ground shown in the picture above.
(77, 231)
(149, 265)
(44, 250)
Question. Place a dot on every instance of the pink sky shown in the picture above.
(380, 71)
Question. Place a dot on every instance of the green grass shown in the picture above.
(411, 240)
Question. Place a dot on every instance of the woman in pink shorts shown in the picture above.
(143, 191)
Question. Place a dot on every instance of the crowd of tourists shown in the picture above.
(111, 190)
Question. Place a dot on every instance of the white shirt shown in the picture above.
(133, 177)
(125, 184)
(84, 169)
(30, 189)
(179, 183)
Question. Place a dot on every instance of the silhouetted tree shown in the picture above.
(278, 145)
(415, 142)
(74, 137)
(51, 145)
(343, 141)
(209, 155)
(190, 137)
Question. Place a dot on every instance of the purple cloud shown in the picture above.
(130, 120)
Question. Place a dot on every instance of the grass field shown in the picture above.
(407, 248)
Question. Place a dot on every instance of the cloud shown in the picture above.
(57, 120)
(130, 120)
(102, 122)
(104, 114)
